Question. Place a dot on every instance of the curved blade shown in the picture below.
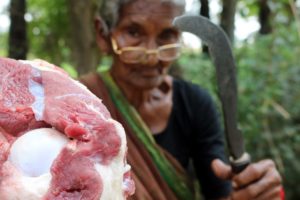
(220, 51)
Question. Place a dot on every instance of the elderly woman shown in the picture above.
(168, 121)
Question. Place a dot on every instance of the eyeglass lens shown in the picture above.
(137, 55)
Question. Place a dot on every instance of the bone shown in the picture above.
(34, 152)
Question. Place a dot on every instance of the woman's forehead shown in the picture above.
(153, 7)
(154, 21)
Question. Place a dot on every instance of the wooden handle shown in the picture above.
(240, 164)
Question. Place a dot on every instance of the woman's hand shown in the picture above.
(259, 181)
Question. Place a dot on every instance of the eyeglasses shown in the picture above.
(133, 55)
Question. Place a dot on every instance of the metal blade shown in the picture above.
(220, 51)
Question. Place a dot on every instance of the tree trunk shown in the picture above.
(227, 17)
(85, 54)
(204, 11)
(264, 17)
(18, 44)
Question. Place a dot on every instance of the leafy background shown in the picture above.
(267, 68)
(269, 95)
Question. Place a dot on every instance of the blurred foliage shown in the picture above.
(48, 30)
(3, 35)
(3, 44)
(269, 94)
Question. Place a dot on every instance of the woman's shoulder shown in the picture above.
(191, 91)
(89, 78)
(192, 101)
(94, 83)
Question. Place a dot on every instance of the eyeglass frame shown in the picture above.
(146, 51)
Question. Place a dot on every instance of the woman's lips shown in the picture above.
(150, 72)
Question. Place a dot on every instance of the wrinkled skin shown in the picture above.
(259, 181)
(148, 87)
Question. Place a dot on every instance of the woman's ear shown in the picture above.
(102, 35)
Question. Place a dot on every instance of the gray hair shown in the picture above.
(109, 11)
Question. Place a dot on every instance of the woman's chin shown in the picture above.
(146, 83)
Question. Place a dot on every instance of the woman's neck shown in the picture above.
(154, 105)
(140, 96)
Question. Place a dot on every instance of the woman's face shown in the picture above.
(148, 24)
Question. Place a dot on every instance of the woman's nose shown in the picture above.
(152, 54)
(151, 59)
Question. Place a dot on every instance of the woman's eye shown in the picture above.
(133, 32)
(168, 36)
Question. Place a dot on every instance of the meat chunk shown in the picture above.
(57, 140)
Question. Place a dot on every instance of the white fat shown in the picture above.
(95, 109)
(78, 95)
(37, 186)
(79, 84)
(113, 174)
(38, 66)
(126, 184)
(121, 132)
(34, 152)
(19, 187)
(37, 89)
(38, 106)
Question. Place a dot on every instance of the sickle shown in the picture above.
(220, 51)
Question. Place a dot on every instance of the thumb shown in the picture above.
(221, 169)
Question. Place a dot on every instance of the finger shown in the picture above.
(221, 170)
(273, 194)
(268, 183)
(253, 172)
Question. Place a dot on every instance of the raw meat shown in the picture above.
(57, 140)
